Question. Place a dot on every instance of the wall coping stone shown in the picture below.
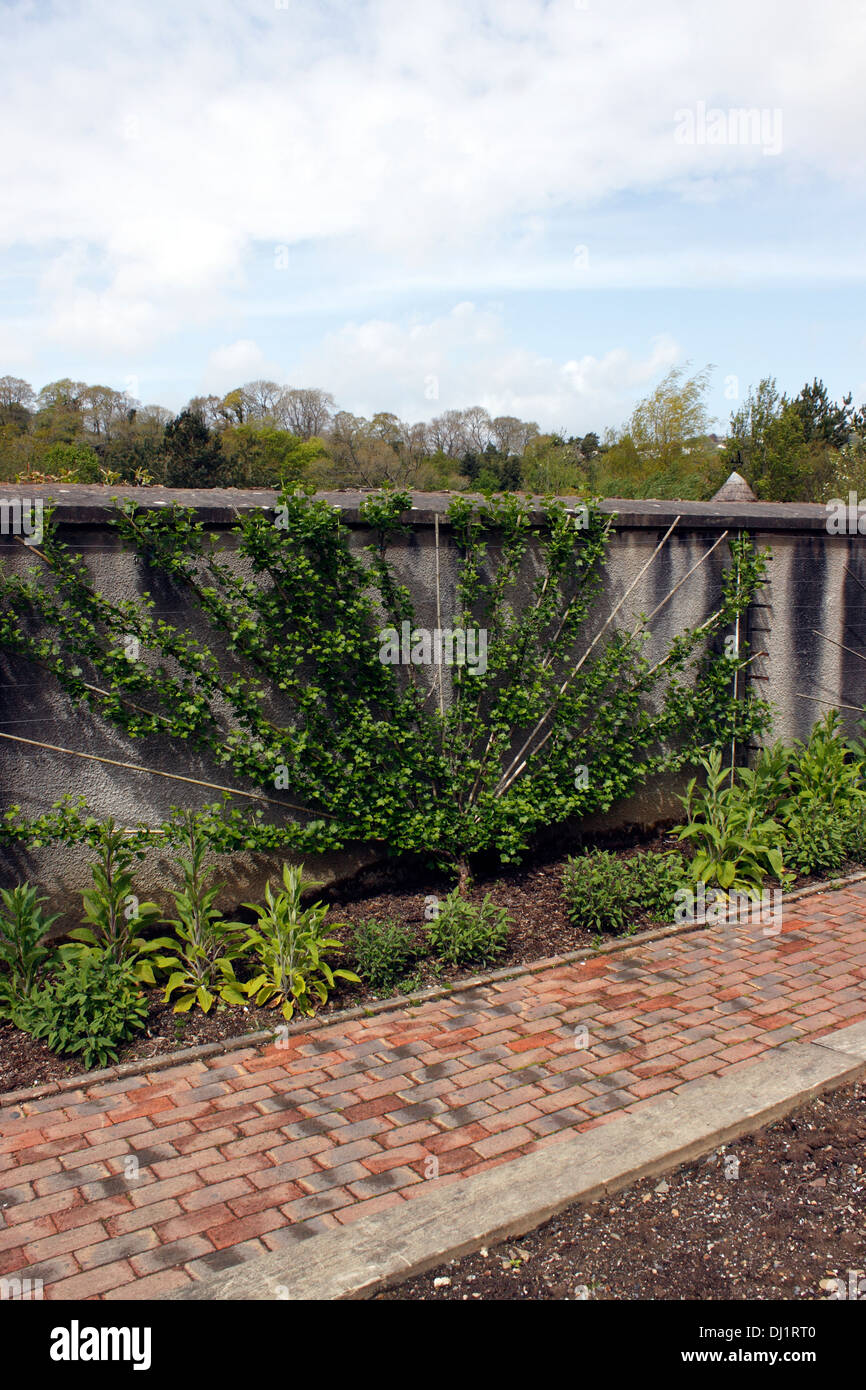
(90, 504)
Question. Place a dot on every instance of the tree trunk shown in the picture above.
(464, 875)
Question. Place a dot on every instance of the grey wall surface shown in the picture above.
(817, 585)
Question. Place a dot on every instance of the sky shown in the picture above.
(538, 206)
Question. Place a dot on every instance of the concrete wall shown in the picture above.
(817, 585)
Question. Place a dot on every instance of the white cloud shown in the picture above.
(236, 363)
(167, 139)
(465, 358)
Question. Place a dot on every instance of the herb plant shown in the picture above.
(290, 950)
(465, 933)
(383, 952)
(90, 1008)
(201, 963)
(606, 893)
(736, 844)
(113, 912)
(24, 952)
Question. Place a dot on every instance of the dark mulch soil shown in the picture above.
(531, 894)
(24, 1061)
(792, 1221)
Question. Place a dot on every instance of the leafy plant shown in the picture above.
(23, 949)
(465, 932)
(826, 809)
(290, 950)
(654, 880)
(201, 965)
(113, 911)
(383, 952)
(596, 891)
(410, 984)
(605, 893)
(90, 1008)
(736, 844)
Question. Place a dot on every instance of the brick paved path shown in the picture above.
(258, 1148)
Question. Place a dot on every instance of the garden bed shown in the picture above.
(531, 894)
(789, 1224)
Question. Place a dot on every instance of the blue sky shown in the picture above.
(539, 206)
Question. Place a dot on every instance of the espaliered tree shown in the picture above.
(416, 756)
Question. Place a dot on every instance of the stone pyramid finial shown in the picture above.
(736, 489)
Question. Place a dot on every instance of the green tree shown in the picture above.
(673, 415)
(824, 420)
(191, 455)
(16, 398)
(747, 441)
(263, 456)
(550, 467)
(665, 449)
(802, 449)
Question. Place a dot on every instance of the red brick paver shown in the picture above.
(133, 1188)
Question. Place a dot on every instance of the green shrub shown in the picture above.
(289, 947)
(855, 843)
(383, 952)
(817, 841)
(23, 952)
(89, 1008)
(653, 880)
(826, 807)
(606, 893)
(737, 842)
(595, 887)
(464, 932)
(803, 807)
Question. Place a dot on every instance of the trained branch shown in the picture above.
(506, 778)
(155, 772)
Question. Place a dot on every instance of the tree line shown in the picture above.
(806, 447)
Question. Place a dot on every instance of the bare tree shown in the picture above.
(306, 411)
(157, 415)
(262, 399)
(208, 407)
(416, 441)
(511, 435)
(348, 432)
(476, 428)
(15, 391)
(105, 408)
(447, 434)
